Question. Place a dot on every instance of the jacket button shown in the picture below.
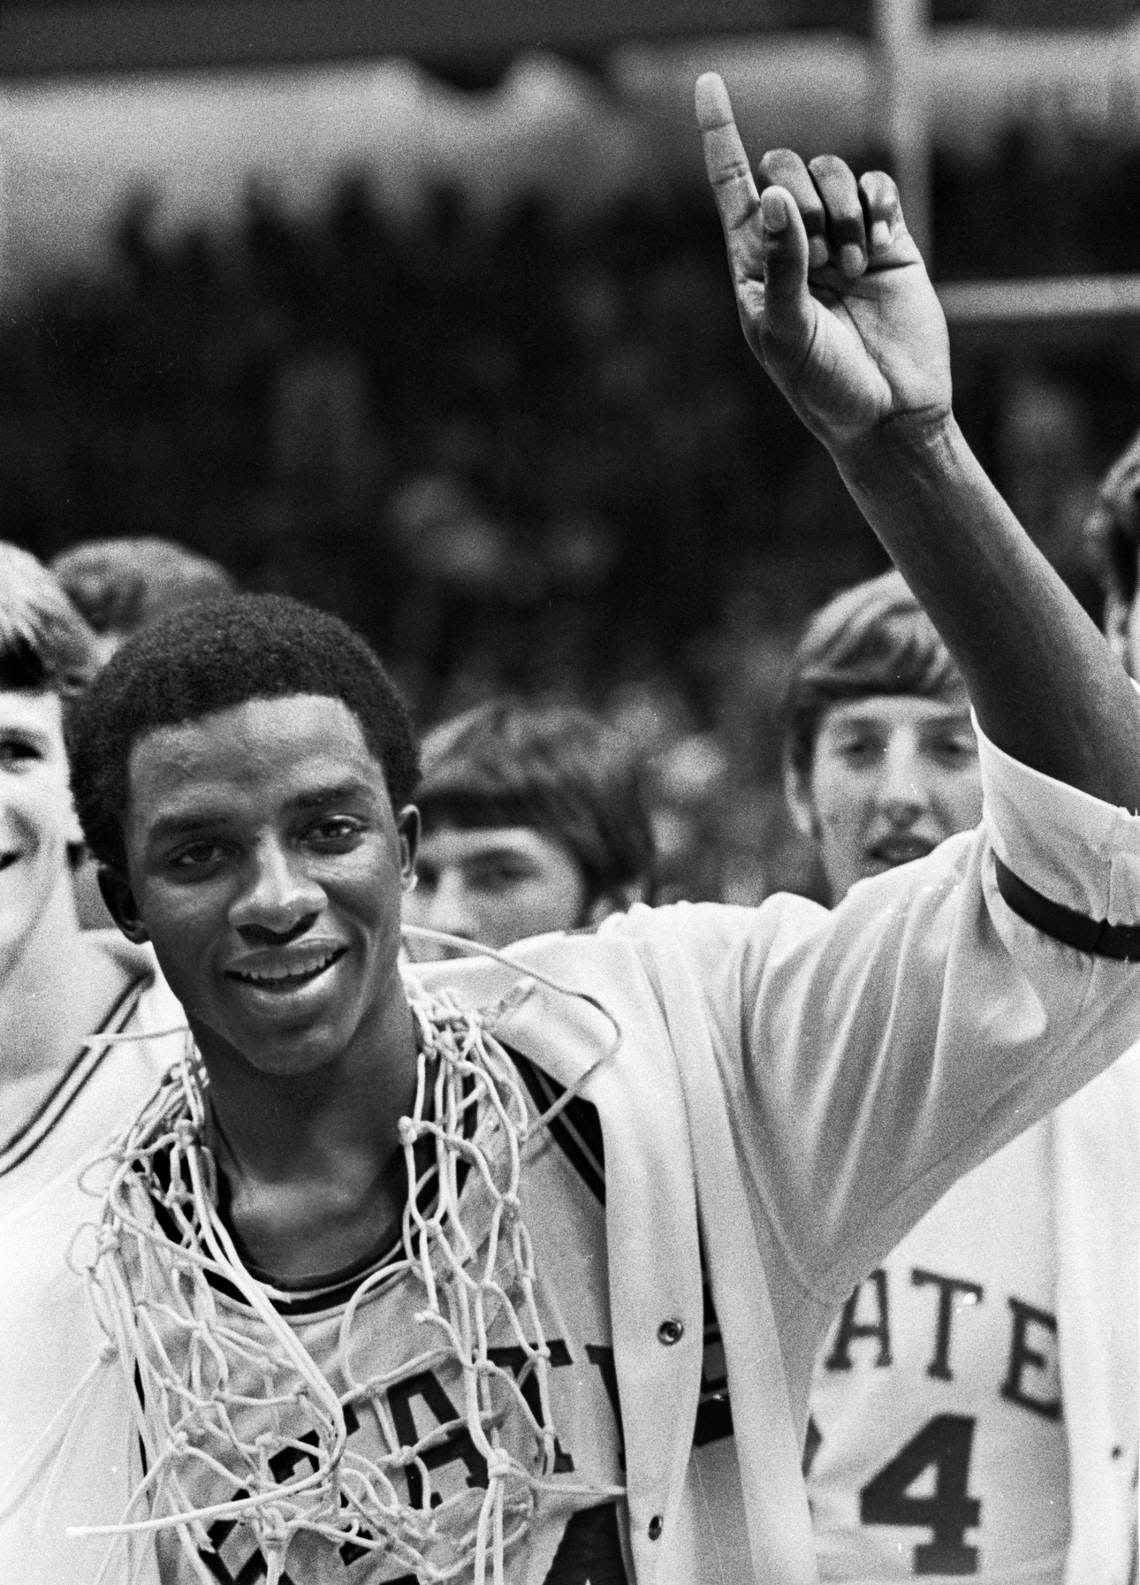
(656, 1525)
(670, 1332)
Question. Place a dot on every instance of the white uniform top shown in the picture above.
(941, 1435)
(49, 1331)
(936, 1448)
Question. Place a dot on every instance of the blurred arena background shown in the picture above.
(418, 310)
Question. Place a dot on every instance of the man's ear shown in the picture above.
(408, 830)
(801, 804)
(120, 901)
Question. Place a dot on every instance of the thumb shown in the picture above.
(786, 300)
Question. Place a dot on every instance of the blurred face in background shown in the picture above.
(492, 885)
(37, 820)
(1112, 529)
(1122, 624)
(890, 778)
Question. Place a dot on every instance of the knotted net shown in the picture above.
(165, 1263)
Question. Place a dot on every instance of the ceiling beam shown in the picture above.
(38, 38)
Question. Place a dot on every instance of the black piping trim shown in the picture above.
(71, 1083)
(1095, 936)
(577, 1129)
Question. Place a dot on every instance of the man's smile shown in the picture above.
(285, 971)
(902, 848)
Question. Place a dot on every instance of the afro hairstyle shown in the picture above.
(214, 656)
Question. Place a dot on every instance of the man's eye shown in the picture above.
(498, 879)
(958, 749)
(336, 833)
(860, 750)
(196, 857)
(17, 753)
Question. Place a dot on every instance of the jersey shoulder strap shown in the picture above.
(71, 1082)
(577, 1129)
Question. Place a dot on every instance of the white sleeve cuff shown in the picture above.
(1065, 844)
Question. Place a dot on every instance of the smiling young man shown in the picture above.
(532, 819)
(291, 983)
(75, 1008)
(973, 1409)
(410, 1282)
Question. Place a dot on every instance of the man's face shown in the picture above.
(890, 778)
(37, 821)
(492, 885)
(265, 865)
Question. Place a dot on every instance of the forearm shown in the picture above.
(1043, 682)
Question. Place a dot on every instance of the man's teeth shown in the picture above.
(279, 974)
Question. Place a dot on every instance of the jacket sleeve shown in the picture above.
(872, 1054)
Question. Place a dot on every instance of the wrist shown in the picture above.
(927, 442)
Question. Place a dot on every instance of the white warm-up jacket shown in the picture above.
(783, 1091)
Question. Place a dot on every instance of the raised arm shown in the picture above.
(836, 304)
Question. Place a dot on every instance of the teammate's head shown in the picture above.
(122, 585)
(242, 769)
(1113, 528)
(532, 819)
(880, 758)
(46, 653)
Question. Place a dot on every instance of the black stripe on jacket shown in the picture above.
(1064, 924)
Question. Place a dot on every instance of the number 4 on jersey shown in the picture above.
(943, 1445)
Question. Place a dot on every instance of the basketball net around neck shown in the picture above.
(165, 1258)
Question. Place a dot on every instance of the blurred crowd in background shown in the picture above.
(526, 453)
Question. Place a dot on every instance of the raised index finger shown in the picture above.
(729, 172)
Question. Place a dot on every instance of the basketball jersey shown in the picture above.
(936, 1447)
(50, 1192)
(574, 1536)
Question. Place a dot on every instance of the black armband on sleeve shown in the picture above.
(1065, 924)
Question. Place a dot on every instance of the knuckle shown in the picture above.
(733, 171)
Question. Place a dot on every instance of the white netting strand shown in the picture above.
(230, 1401)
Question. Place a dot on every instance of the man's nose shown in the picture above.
(279, 893)
(902, 789)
